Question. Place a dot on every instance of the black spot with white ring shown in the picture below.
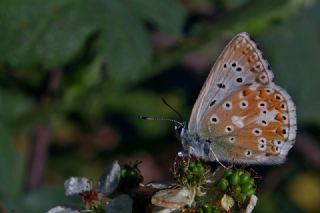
(214, 119)
(262, 105)
(257, 131)
(243, 104)
(279, 143)
(278, 97)
(227, 105)
(239, 69)
(239, 80)
(248, 153)
(228, 129)
(262, 147)
(262, 141)
(232, 139)
(225, 65)
(264, 122)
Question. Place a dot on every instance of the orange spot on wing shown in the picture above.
(246, 92)
(279, 117)
(263, 94)
(277, 105)
(275, 97)
(279, 131)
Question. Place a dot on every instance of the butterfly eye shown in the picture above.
(243, 104)
(227, 105)
(262, 105)
(178, 130)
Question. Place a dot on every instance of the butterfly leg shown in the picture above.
(213, 157)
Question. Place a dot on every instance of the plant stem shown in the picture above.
(41, 135)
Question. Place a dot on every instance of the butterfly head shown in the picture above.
(179, 129)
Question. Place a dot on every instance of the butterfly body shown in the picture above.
(241, 116)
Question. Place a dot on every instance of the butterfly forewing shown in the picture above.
(241, 63)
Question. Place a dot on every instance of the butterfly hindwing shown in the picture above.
(253, 124)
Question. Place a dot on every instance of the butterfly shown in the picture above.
(240, 116)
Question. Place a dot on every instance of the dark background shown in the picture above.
(75, 75)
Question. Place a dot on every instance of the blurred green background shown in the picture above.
(75, 75)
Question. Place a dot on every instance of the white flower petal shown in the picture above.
(61, 209)
(227, 202)
(76, 185)
(252, 203)
(173, 198)
(122, 203)
(110, 179)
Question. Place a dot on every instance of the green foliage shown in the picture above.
(52, 33)
(108, 61)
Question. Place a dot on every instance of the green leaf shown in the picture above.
(39, 32)
(123, 42)
(167, 15)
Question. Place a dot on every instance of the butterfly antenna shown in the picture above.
(159, 119)
(173, 109)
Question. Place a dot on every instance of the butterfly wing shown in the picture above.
(244, 115)
(253, 125)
